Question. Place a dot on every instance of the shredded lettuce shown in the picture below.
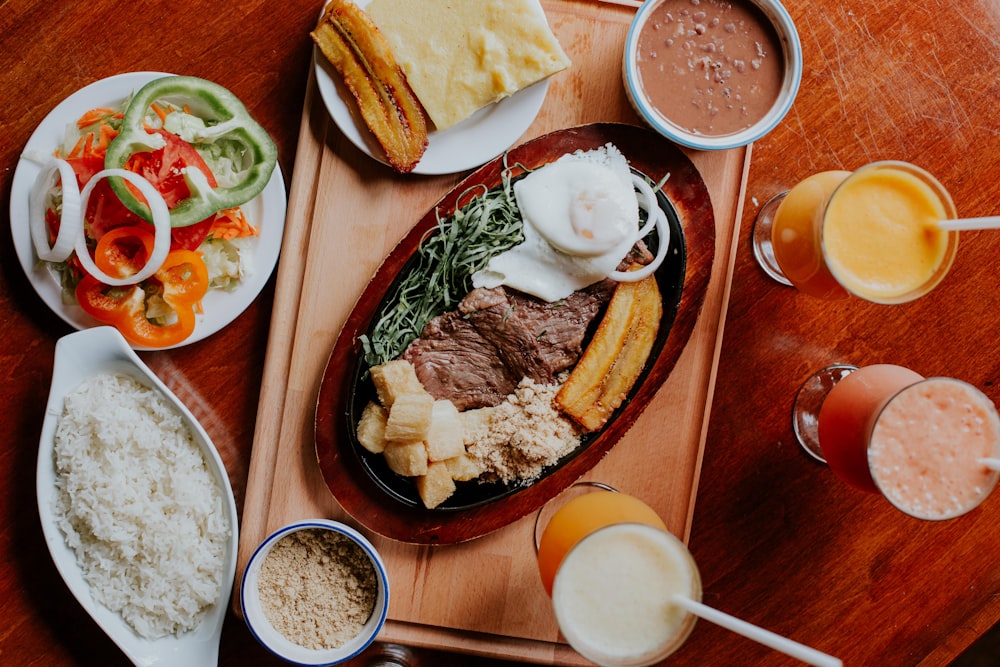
(226, 262)
(226, 158)
(461, 244)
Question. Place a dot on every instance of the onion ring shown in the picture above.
(70, 218)
(161, 229)
(655, 218)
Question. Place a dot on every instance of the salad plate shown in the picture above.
(476, 140)
(266, 212)
(389, 504)
(80, 356)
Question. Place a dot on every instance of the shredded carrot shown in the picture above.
(108, 135)
(94, 116)
(160, 111)
(88, 144)
(230, 224)
(95, 142)
(77, 150)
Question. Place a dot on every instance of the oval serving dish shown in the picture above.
(79, 356)
(388, 503)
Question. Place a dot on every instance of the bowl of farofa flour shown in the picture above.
(315, 593)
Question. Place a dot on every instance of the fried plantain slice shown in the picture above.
(583, 386)
(630, 362)
(616, 355)
(358, 51)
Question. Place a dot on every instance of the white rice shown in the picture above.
(139, 505)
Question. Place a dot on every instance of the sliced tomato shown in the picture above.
(192, 236)
(105, 211)
(85, 167)
(162, 168)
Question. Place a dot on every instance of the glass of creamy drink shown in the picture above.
(872, 233)
(922, 443)
(613, 571)
(625, 591)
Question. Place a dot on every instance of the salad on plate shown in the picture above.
(140, 210)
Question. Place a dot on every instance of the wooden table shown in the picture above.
(779, 541)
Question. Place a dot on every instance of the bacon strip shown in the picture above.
(358, 51)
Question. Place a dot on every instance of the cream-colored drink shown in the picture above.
(612, 595)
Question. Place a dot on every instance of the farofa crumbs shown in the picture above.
(317, 588)
(524, 434)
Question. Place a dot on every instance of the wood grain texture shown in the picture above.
(373, 209)
(778, 541)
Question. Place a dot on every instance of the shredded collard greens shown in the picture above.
(441, 275)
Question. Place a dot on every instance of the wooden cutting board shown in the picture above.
(346, 212)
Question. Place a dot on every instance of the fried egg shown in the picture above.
(581, 218)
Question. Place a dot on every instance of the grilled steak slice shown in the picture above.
(454, 361)
(499, 321)
(560, 327)
(476, 356)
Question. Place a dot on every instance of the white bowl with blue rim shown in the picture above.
(792, 75)
(277, 643)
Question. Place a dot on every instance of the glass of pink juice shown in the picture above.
(871, 233)
(919, 442)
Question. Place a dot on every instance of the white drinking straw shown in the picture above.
(991, 463)
(766, 637)
(969, 224)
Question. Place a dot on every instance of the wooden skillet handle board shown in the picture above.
(346, 212)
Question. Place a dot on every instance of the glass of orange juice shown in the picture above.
(613, 569)
(871, 233)
(922, 443)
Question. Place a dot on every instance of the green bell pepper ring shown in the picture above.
(225, 117)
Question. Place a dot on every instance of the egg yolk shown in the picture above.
(581, 207)
(589, 213)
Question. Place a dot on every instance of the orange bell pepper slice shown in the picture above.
(184, 280)
(121, 252)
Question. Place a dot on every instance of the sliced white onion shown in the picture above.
(161, 229)
(70, 219)
(655, 217)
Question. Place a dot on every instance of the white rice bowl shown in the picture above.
(137, 503)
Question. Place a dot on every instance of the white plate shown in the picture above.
(266, 212)
(79, 356)
(469, 144)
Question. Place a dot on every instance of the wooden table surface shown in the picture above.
(779, 541)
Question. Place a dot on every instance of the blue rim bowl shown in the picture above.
(788, 36)
(274, 641)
